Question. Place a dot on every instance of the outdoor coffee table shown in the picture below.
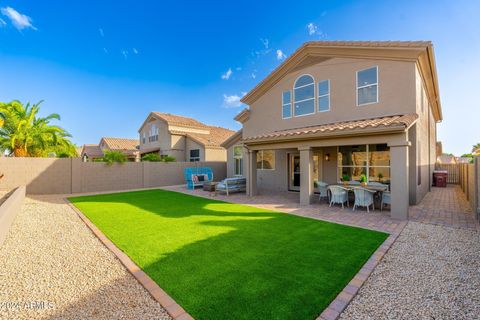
(210, 186)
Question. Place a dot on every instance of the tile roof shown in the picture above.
(121, 143)
(388, 122)
(179, 120)
(214, 139)
(92, 151)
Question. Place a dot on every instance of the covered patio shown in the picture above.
(326, 153)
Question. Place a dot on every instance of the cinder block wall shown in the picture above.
(65, 176)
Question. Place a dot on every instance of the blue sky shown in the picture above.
(103, 65)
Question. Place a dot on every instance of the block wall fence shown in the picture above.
(71, 175)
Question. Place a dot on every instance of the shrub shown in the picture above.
(153, 157)
(169, 159)
(363, 178)
(111, 157)
(345, 177)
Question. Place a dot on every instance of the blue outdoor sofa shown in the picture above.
(196, 177)
(228, 185)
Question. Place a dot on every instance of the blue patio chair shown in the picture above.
(386, 199)
(322, 188)
(338, 195)
(195, 177)
(363, 198)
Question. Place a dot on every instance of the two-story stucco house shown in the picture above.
(342, 108)
(184, 138)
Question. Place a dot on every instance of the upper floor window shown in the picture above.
(367, 86)
(287, 104)
(304, 94)
(143, 137)
(324, 95)
(194, 155)
(153, 133)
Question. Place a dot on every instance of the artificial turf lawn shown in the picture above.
(221, 260)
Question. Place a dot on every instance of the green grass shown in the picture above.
(221, 260)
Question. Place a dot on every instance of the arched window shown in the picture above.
(304, 95)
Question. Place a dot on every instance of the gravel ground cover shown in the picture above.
(52, 266)
(431, 272)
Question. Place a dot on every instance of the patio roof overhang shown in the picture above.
(374, 126)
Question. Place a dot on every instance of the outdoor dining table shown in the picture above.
(368, 187)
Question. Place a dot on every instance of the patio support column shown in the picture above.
(252, 173)
(399, 172)
(306, 175)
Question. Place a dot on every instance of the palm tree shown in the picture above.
(24, 134)
(476, 147)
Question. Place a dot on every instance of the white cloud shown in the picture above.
(2, 22)
(125, 54)
(100, 30)
(280, 55)
(105, 50)
(238, 68)
(232, 101)
(227, 74)
(135, 50)
(312, 28)
(265, 42)
(19, 21)
(253, 75)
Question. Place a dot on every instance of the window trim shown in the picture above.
(237, 158)
(190, 155)
(284, 104)
(314, 96)
(368, 85)
(324, 95)
(261, 161)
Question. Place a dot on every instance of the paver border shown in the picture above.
(167, 302)
(343, 299)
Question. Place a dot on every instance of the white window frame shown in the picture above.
(314, 96)
(284, 104)
(195, 159)
(368, 85)
(323, 95)
(260, 152)
(235, 158)
(367, 165)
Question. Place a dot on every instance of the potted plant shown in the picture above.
(363, 180)
(345, 179)
(380, 177)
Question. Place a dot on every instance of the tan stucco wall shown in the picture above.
(422, 153)
(396, 95)
(64, 176)
(192, 145)
(215, 154)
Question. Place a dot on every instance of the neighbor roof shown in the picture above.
(214, 139)
(419, 51)
(381, 124)
(92, 151)
(173, 119)
(121, 143)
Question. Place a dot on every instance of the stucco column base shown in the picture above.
(399, 171)
(252, 173)
(306, 175)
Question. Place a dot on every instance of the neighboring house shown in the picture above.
(446, 159)
(184, 138)
(335, 108)
(127, 146)
(463, 159)
(439, 148)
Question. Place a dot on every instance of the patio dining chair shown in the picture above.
(386, 199)
(338, 195)
(363, 198)
(322, 188)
